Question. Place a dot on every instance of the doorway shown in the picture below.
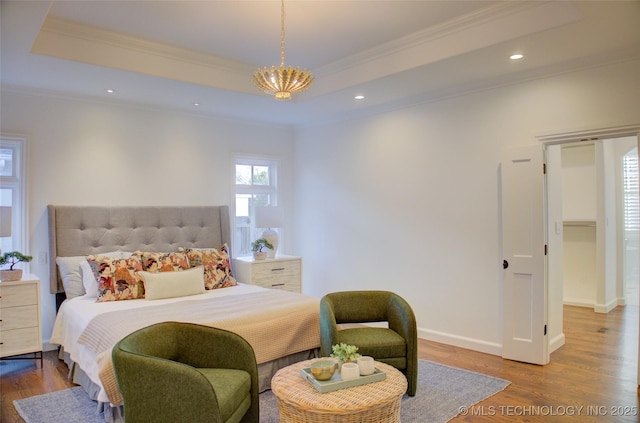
(552, 144)
(599, 182)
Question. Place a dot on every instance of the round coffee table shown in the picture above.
(298, 401)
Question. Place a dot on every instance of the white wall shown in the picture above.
(408, 200)
(405, 200)
(555, 259)
(606, 298)
(579, 205)
(88, 153)
(579, 183)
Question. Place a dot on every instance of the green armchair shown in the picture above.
(183, 372)
(396, 345)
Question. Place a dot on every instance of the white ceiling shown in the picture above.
(171, 54)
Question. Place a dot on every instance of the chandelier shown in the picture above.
(281, 81)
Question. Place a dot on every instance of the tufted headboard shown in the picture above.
(80, 231)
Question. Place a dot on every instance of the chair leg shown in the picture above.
(411, 389)
(412, 382)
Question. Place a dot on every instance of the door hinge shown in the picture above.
(545, 330)
(545, 249)
(544, 168)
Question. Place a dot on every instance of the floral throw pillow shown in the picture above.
(217, 266)
(163, 262)
(117, 277)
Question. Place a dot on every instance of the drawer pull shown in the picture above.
(277, 284)
(277, 269)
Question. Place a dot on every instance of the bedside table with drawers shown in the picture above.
(282, 272)
(20, 321)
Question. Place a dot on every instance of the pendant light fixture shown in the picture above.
(281, 81)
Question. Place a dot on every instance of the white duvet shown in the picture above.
(75, 314)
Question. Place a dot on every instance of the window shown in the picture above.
(255, 186)
(630, 186)
(12, 194)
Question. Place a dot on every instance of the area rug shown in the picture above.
(442, 392)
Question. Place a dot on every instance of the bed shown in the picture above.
(89, 322)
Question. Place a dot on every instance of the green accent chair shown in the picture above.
(184, 372)
(396, 345)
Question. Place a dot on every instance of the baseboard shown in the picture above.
(47, 346)
(598, 308)
(579, 302)
(605, 308)
(556, 343)
(461, 341)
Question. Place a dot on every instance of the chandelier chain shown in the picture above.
(282, 34)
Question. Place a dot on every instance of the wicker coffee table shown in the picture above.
(298, 401)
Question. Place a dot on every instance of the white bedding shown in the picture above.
(75, 314)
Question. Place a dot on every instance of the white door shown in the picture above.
(523, 243)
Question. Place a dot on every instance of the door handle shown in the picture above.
(505, 264)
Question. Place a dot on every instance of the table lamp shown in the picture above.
(269, 218)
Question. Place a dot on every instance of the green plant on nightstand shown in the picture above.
(258, 245)
(10, 259)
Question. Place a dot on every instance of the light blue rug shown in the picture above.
(442, 392)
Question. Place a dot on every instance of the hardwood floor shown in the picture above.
(595, 372)
(596, 369)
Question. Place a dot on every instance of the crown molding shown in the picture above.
(87, 44)
(499, 23)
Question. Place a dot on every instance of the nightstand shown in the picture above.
(20, 321)
(281, 272)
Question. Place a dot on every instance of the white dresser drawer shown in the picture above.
(18, 317)
(288, 283)
(277, 269)
(18, 294)
(20, 341)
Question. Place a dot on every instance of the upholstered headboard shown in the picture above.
(79, 231)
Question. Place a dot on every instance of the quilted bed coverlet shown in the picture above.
(275, 323)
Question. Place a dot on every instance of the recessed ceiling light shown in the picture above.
(516, 56)
(196, 104)
(110, 91)
(359, 97)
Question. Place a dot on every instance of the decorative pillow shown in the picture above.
(117, 278)
(217, 266)
(69, 268)
(89, 280)
(163, 262)
(173, 284)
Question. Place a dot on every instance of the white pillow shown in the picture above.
(179, 283)
(89, 280)
(69, 268)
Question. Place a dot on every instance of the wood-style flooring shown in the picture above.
(592, 378)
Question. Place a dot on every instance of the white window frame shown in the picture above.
(17, 183)
(630, 187)
(240, 248)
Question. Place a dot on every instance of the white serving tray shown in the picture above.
(336, 381)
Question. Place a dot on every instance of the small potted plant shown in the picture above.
(344, 353)
(10, 259)
(258, 245)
